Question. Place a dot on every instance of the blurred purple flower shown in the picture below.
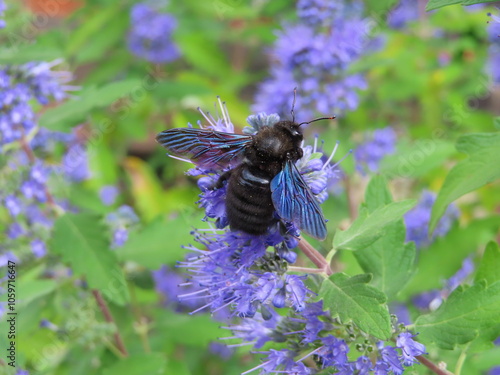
(13, 205)
(3, 7)
(418, 218)
(409, 347)
(150, 36)
(494, 29)
(406, 11)
(221, 350)
(119, 222)
(108, 194)
(38, 248)
(120, 236)
(380, 143)
(169, 283)
(75, 163)
(432, 299)
(20, 84)
(314, 55)
(493, 64)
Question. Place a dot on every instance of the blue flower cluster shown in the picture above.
(307, 333)
(20, 85)
(29, 148)
(418, 218)
(493, 65)
(3, 7)
(314, 55)
(120, 223)
(405, 11)
(376, 146)
(150, 37)
(235, 272)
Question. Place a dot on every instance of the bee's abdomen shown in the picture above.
(249, 206)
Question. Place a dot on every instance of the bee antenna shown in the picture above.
(317, 119)
(293, 103)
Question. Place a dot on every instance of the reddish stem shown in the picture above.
(109, 318)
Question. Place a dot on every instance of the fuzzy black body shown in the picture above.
(262, 177)
(249, 205)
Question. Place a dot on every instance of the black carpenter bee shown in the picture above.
(263, 177)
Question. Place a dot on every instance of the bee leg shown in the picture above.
(223, 178)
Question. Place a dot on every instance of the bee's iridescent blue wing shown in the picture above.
(294, 201)
(206, 148)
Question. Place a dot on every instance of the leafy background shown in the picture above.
(443, 113)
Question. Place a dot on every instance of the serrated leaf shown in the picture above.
(466, 314)
(478, 170)
(435, 4)
(81, 241)
(138, 364)
(388, 259)
(352, 299)
(489, 269)
(369, 227)
(73, 111)
(158, 243)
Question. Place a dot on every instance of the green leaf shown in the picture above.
(479, 169)
(453, 248)
(370, 226)
(351, 299)
(489, 269)
(389, 259)
(435, 4)
(154, 245)
(193, 330)
(63, 117)
(138, 364)
(29, 290)
(204, 54)
(81, 241)
(466, 314)
(27, 53)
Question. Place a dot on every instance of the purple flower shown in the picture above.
(221, 350)
(381, 142)
(333, 352)
(75, 163)
(431, 300)
(494, 371)
(418, 218)
(409, 347)
(494, 29)
(3, 7)
(314, 55)
(493, 64)
(108, 194)
(150, 36)
(390, 359)
(120, 236)
(406, 11)
(13, 204)
(38, 248)
(170, 284)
